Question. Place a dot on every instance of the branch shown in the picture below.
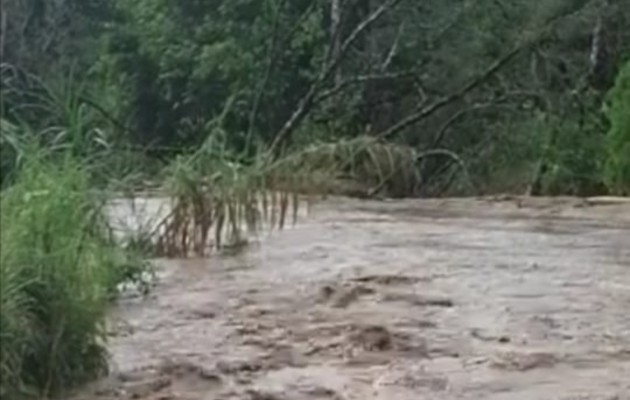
(487, 74)
(477, 107)
(360, 79)
(3, 32)
(452, 156)
(456, 117)
(421, 92)
(425, 154)
(438, 105)
(301, 19)
(354, 35)
(270, 63)
(441, 152)
(394, 48)
(328, 68)
(335, 32)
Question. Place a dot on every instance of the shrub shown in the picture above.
(617, 167)
(58, 270)
(575, 156)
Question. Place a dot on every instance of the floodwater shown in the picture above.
(403, 300)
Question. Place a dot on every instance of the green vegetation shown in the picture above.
(512, 89)
(618, 137)
(236, 109)
(58, 272)
(505, 95)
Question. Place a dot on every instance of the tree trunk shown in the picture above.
(602, 57)
(335, 35)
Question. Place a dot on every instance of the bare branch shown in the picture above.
(271, 53)
(421, 92)
(481, 79)
(328, 68)
(335, 32)
(394, 48)
(452, 156)
(358, 80)
(497, 103)
(300, 20)
(354, 35)
(438, 105)
(421, 156)
(3, 32)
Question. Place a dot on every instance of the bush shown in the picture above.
(617, 168)
(58, 270)
(575, 157)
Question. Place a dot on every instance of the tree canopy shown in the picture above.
(514, 88)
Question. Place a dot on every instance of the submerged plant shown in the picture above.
(217, 196)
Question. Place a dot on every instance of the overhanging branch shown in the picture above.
(361, 79)
(492, 69)
(439, 104)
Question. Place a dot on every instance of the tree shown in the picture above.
(617, 170)
(465, 78)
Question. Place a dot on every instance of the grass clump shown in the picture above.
(59, 267)
(367, 166)
(218, 196)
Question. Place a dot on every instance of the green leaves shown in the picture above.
(58, 270)
(617, 168)
(184, 60)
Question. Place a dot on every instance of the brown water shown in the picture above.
(406, 300)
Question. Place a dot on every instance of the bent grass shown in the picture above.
(218, 198)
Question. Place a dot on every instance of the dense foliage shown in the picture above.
(238, 105)
(618, 143)
(59, 268)
(513, 88)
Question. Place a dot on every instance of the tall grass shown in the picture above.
(62, 116)
(60, 264)
(218, 196)
(58, 270)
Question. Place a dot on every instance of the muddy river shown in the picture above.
(420, 299)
